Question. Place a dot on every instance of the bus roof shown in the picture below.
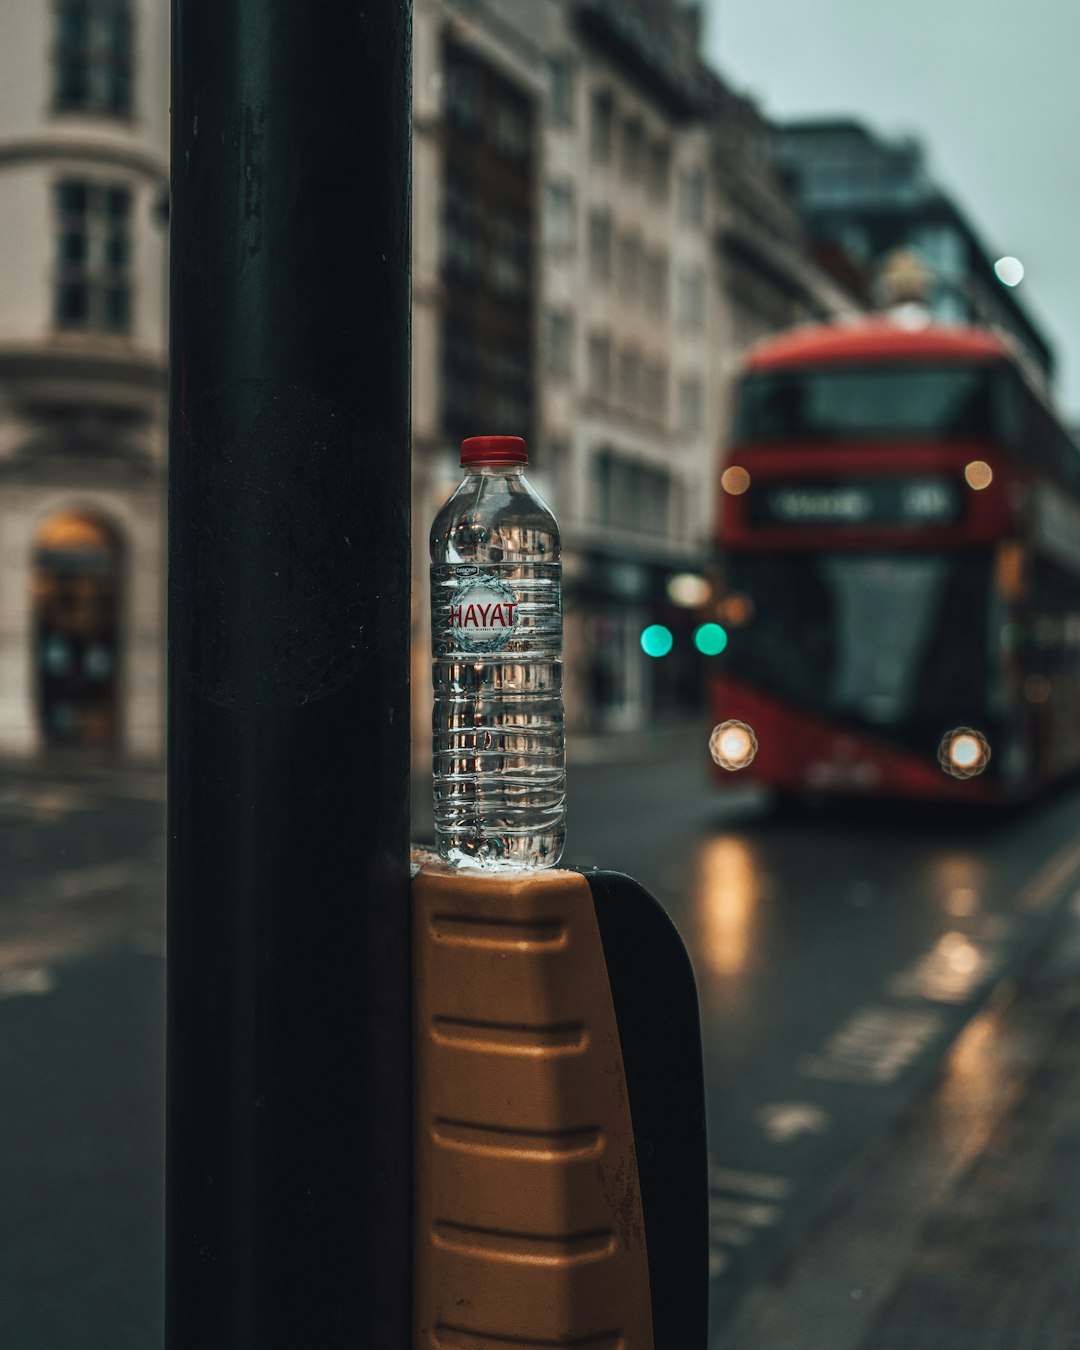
(874, 340)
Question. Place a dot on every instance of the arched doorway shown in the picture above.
(76, 591)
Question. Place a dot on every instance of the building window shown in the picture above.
(940, 246)
(632, 149)
(658, 171)
(656, 282)
(691, 297)
(601, 494)
(558, 467)
(460, 235)
(559, 217)
(630, 266)
(631, 496)
(509, 130)
(462, 93)
(509, 263)
(602, 127)
(677, 519)
(506, 375)
(655, 501)
(558, 343)
(655, 391)
(93, 273)
(560, 80)
(600, 245)
(692, 197)
(691, 404)
(630, 379)
(600, 365)
(92, 64)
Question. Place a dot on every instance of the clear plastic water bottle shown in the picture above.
(496, 638)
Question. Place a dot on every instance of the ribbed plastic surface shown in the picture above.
(497, 720)
(529, 1226)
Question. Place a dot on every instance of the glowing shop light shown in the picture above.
(710, 639)
(978, 475)
(735, 480)
(656, 640)
(688, 589)
(964, 753)
(1009, 271)
(737, 610)
(733, 745)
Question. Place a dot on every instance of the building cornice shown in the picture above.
(88, 359)
(615, 28)
(50, 149)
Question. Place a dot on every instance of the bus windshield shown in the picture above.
(843, 403)
(881, 640)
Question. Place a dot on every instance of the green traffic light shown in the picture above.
(656, 640)
(710, 639)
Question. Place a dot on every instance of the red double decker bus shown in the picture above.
(899, 569)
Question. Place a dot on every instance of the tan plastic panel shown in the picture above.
(529, 1229)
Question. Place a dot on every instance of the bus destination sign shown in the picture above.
(912, 502)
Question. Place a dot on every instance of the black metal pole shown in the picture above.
(288, 1009)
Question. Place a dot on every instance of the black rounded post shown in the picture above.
(289, 1112)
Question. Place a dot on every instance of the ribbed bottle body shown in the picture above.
(497, 722)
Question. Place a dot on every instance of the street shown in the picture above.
(855, 967)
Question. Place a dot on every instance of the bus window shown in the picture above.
(846, 403)
(887, 640)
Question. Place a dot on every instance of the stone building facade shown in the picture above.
(83, 237)
(598, 233)
(658, 242)
(771, 273)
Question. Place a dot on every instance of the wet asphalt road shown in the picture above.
(839, 953)
(838, 956)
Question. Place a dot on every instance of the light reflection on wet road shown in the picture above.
(838, 954)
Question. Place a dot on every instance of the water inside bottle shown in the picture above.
(498, 736)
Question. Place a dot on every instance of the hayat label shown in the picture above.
(483, 616)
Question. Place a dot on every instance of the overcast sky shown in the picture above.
(991, 87)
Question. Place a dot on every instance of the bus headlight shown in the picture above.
(735, 480)
(964, 753)
(978, 474)
(733, 745)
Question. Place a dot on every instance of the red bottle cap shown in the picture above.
(494, 450)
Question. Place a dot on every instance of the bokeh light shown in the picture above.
(710, 639)
(1037, 689)
(1009, 271)
(656, 640)
(688, 589)
(735, 480)
(733, 745)
(964, 753)
(737, 610)
(978, 474)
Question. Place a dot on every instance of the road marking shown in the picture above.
(950, 971)
(22, 980)
(745, 1213)
(875, 1045)
(741, 1205)
(718, 1262)
(735, 1182)
(786, 1121)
